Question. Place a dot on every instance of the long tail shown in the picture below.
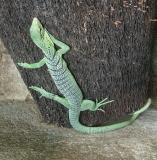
(74, 120)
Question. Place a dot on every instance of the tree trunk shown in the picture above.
(153, 81)
(110, 51)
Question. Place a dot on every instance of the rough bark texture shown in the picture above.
(110, 50)
(153, 81)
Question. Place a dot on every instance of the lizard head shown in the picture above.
(40, 36)
(37, 32)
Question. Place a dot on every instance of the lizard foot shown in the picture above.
(94, 106)
(43, 92)
(101, 103)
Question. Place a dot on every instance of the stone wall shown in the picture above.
(12, 86)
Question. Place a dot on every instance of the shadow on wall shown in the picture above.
(12, 86)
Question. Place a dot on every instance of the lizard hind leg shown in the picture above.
(52, 96)
(94, 105)
(43, 92)
(87, 105)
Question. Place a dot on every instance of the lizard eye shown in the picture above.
(41, 33)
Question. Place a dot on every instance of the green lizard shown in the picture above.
(53, 50)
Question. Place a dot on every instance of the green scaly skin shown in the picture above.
(65, 82)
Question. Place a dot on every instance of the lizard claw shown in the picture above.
(101, 103)
(101, 110)
(40, 96)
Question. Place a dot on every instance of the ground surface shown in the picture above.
(23, 136)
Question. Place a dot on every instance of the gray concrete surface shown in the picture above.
(23, 136)
(12, 86)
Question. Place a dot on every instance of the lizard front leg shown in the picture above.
(33, 65)
(63, 47)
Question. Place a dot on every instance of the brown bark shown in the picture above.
(110, 50)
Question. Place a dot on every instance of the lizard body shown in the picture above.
(65, 82)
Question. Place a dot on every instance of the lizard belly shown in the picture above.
(65, 82)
